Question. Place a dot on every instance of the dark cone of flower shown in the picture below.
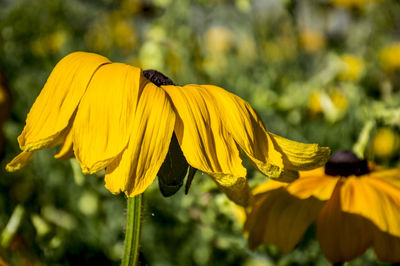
(174, 168)
(157, 77)
(346, 163)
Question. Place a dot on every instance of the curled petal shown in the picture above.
(300, 156)
(19, 161)
(375, 199)
(58, 100)
(342, 236)
(205, 143)
(271, 154)
(136, 167)
(104, 119)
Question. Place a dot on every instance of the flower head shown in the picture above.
(355, 207)
(110, 116)
(352, 67)
(390, 57)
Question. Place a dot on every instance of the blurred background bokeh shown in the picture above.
(325, 71)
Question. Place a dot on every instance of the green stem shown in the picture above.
(363, 138)
(12, 226)
(132, 232)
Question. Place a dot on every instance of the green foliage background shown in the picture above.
(284, 57)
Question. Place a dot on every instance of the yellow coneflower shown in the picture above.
(351, 3)
(385, 142)
(110, 116)
(352, 67)
(390, 57)
(355, 208)
(311, 40)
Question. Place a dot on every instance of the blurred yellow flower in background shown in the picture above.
(339, 100)
(50, 44)
(390, 57)
(112, 30)
(355, 208)
(351, 3)
(218, 39)
(333, 104)
(352, 67)
(385, 142)
(314, 102)
(312, 40)
(109, 116)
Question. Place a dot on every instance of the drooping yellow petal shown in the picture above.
(153, 124)
(19, 161)
(205, 143)
(255, 222)
(374, 199)
(58, 100)
(300, 156)
(313, 183)
(386, 246)
(104, 119)
(271, 154)
(342, 236)
(283, 219)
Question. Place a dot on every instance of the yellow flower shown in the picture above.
(218, 39)
(385, 142)
(390, 57)
(332, 105)
(351, 3)
(314, 102)
(312, 41)
(352, 69)
(355, 208)
(110, 116)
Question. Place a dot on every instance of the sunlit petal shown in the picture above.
(374, 199)
(271, 154)
(153, 124)
(267, 186)
(58, 100)
(206, 145)
(313, 183)
(19, 161)
(342, 236)
(300, 156)
(104, 119)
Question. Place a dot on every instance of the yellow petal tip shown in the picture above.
(19, 161)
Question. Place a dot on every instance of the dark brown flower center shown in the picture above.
(175, 167)
(157, 78)
(346, 163)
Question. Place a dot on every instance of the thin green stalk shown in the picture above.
(132, 232)
(12, 226)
